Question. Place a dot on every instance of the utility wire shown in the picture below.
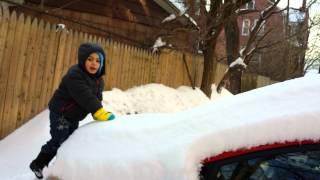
(109, 34)
(64, 6)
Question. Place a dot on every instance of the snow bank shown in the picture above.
(171, 146)
(153, 98)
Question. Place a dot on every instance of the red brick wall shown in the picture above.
(270, 58)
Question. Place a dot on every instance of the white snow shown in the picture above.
(238, 61)
(171, 17)
(19, 148)
(169, 145)
(157, 44)
(241, 51)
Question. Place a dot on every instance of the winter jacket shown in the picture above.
(79, 92)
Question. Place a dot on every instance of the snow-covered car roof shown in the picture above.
(172, 146)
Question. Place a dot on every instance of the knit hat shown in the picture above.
(84, 52)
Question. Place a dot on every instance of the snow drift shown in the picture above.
(172, 146)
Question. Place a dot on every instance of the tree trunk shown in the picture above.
(232, 49)
(209, 68)
(287, 53)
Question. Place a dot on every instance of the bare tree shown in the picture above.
(240, 60)
(209, 18)
(313, 52)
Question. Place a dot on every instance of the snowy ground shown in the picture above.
(141, 144)
(20, 147)
(171, 146)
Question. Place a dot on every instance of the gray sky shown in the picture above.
(297, 3)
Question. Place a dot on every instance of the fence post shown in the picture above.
(188, 71)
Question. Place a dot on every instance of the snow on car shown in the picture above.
(176, 145)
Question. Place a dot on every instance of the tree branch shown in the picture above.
(248, 51)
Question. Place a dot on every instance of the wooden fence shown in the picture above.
(251, 81)
(34, 57)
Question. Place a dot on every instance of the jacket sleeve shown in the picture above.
(82, 93)
(100, 90)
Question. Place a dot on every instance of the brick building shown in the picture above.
(280, 61)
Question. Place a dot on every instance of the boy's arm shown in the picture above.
(82, 94)
(102, 114)
(101, 88)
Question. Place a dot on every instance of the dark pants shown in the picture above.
(60, 130)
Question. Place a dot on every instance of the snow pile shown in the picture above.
(153, 98)
(171, 146)
(14, 160)
(223, 94)
(157, 44)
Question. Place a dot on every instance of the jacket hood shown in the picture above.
(85, 50)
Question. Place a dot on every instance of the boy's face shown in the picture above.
(92, 63)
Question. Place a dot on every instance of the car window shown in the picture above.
(292, 165)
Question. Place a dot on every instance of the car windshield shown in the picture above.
(297, 165)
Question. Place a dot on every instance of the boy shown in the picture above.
(79, 93)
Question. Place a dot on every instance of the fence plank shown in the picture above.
(142, 67)
(34, 91)
(38, 74)
(26, 98)
(119, 60)
(132, 75)
(139, 66)
(45, 67)
(1, 22)
(9, 64)
(158, 70)
(74, 48)
(32, 56)
(148, 64)
(17, 65)
(19, 91)
(109, 77)
(52, 54)
(139, 69)
(111, 70)
(67, 61)
(128, 66)
(177, 69)
(59, 62)
(3, 63)
(165, 71)
(124, 67)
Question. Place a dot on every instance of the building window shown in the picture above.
(250, 5)
(256, 58)
(245, 27)
(261, 29)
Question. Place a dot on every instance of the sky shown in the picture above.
(293, 3)
(282, 4)
(164, 133)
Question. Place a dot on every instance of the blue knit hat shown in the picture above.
(101, 58)
(84, 52)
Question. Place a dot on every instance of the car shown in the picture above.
(286, 160)
(267, 133)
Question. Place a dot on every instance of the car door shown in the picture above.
(294, 162)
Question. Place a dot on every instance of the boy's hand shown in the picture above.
(103, 115)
